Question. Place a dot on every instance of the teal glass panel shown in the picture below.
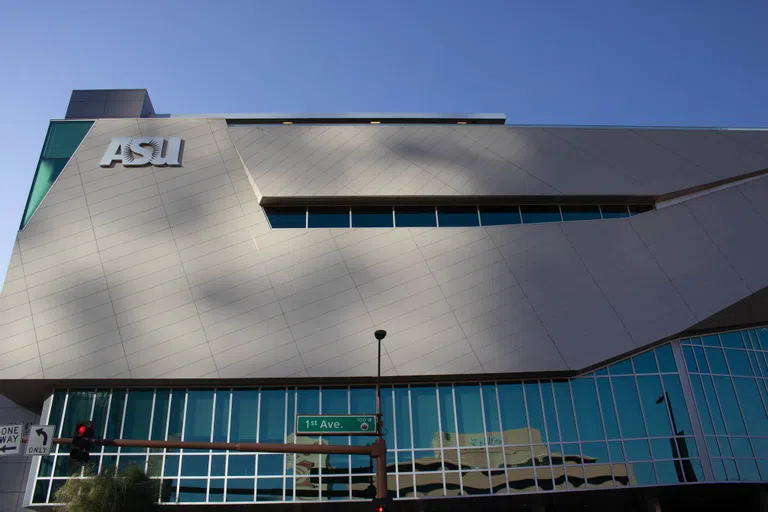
(46, 466)
(666, 359)
(372, 217)
(199, 416)
(609, 411)
(614, 211)
(644, 473)
(221, 416)
(741, 447)
(286, 217)
(240, 489)
(587, 409)
(645, 363)
(176, 415)
(733, 419)
(138, 412)
(621, 368)
(218, 465)
(241, 465)
(100, 410)
(580, 212)
(115, 419)
(548, 397)
(738, 362)
(616, 451)
(565, 413)
(41, 491)
(669, 472)
(499, 215)
(711, 340)
(425, 418)
(415, 216)
(78, 408)
(457, 216)
(272, 464)
(403, 418)
(271, 489)
(60, 144)
(716, 360)
(194, 465)
(752, 406)
(731, 473)
(719, 470)
(725, 447)
(540, 213)
(447, 415)
(628, 407)
(535, 414)
(245, 406)
(677, 403)
(653, 400)
(468, 412)
(763, 467)
(637, 209)
(762, 334)
(328, 217)
(57, 410)
(272, 415)
(594, 452)
(160, 415)
(192, 491)
(361, 401)
(760, 445)
(732, 339)
(216, 491)
(747, 470)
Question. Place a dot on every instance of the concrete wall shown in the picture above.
(175, 273)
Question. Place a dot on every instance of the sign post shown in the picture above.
(336, 425)
(11, 439)
(40, 439)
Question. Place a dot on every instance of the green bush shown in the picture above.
(128, 490)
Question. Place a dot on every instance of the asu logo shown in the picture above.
(145, 151)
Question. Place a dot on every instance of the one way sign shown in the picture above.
(10, 439)
(40, 439)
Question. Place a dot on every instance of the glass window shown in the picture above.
(614, 211)
(733, 419)
(587, 409)
(221, 416)
(286, 217)
(372, 217)
(245, 404)
(468, 412)
(271, 489)
(716, 360)
(628, 407)
(194, 465)
(701, 360)
(669, 472)
(616, 451)
(240, 489)
(621, 368)
(645, 363)
(270, 464)
(78, 409)
(609, 411)
(747, 470)
(732, 339)
(457, 216)
(425, 418)
(138, 412)
(751, 405)
(711, 340)
(160, 415)
(580, 212)
(738, 362)
(513, 419)
(653, 401)
(674, 392)
(637, 209)
(690, 359)
(499, 215)
(388, 415)
(565, 411)
(197, 426)
(535, 414)
(447, 419)
(533, 213)
(100, 410)
(403, 418)
(549, 411)
(241, 465)
(272, 416)
(328, 217)
(60, 144)
(415, 216)
(637, 450)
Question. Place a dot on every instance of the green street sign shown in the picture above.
(336, 425)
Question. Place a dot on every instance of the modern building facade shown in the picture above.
(571, 312)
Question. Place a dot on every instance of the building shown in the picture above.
(574, 315)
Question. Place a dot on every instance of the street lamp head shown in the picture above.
(380, 334)
(660, 399)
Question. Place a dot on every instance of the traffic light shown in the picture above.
(81, 442)
(383, 505)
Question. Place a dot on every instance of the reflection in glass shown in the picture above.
(540, 213)
(402, 418)
(738, 362)
(415, 216)
(425, 417)
(240, 489)
(654, 405)
(499, 215)
(286, 217)
(372, 217)
(614, 211)
(733, 419)
(457, 216)
(328, 217)
(565, 414)
(138, 412)
(747, 469)
(628, 407)
(580, 212)
(608, 408)
(535, 414)
(197, 426)
(645, 363)
(644, 473)
(587, 409)
(547, 394)
(245, 404)
(637, 450)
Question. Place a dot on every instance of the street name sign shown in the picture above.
(10, 439)
(40, 439)
(335, 425)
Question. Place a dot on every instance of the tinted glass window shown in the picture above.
(449, 216)
(329, 217)
(581, 212)
(415, 216)
(636, 209)
(499, 215)
(372, 217)
(287, 217)
(614, 211)
(540, 213)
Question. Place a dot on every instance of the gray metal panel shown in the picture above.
(174, 272)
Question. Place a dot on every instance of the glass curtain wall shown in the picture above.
(624, 425)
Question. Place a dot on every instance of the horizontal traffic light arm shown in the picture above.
(375, 450)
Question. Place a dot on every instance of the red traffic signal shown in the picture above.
(81, 442)
(81, 430)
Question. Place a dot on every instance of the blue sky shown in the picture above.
(597, 62)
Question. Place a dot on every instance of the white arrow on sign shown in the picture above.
(40, 439)
(10, 439)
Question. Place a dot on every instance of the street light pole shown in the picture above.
(380, 445)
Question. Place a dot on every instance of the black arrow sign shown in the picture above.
(5, 448)
(41, 432)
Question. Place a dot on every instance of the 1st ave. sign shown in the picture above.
(335, 424)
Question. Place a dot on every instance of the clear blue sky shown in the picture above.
(625, 62)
